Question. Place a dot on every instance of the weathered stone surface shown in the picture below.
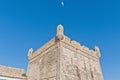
(59, 59)
(44, 67)
(63, 59)
(12, 73)
(75, 66)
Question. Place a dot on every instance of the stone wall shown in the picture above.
(44, 67)
(75, 66)
(11, 73)
(64, 59)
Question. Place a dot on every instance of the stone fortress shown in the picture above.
(59, 59)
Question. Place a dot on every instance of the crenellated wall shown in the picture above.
(64, 59)
(59, 59)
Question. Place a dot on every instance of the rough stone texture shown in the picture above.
(44, 67)
(12, 73)
(63, 59)
(78, 67)
(60, 59)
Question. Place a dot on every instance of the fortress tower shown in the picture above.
(64, 59)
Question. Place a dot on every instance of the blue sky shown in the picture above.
(31, 23)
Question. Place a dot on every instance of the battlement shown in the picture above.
(64, 59)
(61, 38)
(77, 46)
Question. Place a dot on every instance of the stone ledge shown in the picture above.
(11, 72)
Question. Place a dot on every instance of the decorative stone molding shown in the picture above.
(97, 50)
(30, 53)
(60, 32)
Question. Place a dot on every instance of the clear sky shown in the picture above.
(31, 23)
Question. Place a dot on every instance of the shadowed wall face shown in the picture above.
(44, 66)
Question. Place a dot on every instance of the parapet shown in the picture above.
(12, 72)
(95, 52)
(77, 46)
(60, 37)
